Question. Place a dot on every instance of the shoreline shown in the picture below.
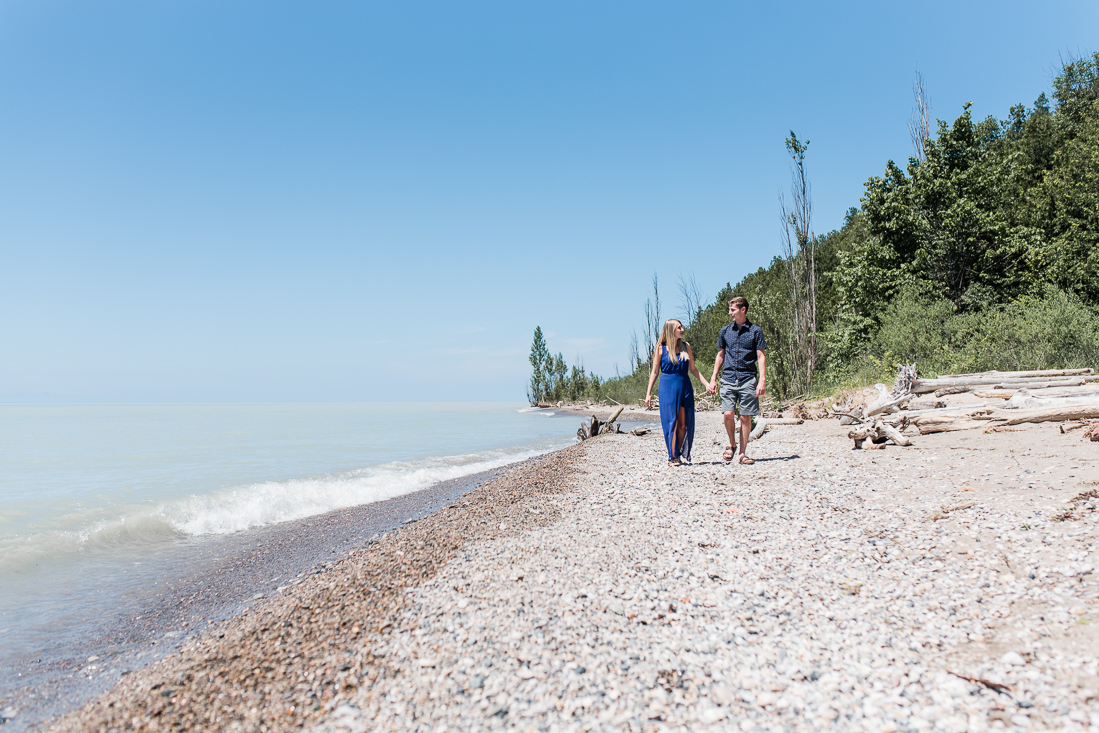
(391, 560)
(596, 588)
(210, 581)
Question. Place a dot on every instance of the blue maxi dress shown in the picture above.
(676, 391)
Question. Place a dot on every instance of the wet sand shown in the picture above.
(205, 582)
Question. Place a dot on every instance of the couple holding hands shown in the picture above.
(740, 349)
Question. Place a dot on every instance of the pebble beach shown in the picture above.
(947, 586)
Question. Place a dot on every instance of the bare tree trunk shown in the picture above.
(691, 293)
(919, 124)
(800, 245)
(652, 320)
(635, 355)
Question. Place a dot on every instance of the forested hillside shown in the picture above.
(981, 252)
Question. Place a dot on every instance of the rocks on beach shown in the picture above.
(597, 589)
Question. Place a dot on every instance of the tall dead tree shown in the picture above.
(919, 124)
(635, 352)
(652, 320)
(800, 247)
(692, 301)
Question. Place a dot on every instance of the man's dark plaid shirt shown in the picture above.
(740, 345)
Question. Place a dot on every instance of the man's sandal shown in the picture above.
(728, 454)
(745, 461)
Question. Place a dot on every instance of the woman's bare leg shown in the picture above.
(675, 432)
(680, 429)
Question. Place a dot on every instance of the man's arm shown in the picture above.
(761, 358)
(718, 361)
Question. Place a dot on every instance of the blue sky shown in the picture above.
(379, 201)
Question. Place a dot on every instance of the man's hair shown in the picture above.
(740, 302)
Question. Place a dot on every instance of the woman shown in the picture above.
(675, 360)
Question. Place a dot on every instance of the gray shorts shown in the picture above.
(743, 393)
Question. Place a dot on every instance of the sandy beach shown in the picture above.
(945, 586)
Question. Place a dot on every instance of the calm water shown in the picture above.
(92, 496)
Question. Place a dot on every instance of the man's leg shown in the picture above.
(745, 431)
(749, 408)
(730, 430)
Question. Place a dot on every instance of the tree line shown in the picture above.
(981, 252)
(553, 381)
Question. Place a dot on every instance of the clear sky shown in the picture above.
(381, 200)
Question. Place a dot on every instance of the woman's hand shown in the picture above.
(648, 402)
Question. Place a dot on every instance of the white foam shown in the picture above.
(253, 505)
(270, 502)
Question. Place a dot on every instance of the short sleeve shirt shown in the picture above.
(740, 344)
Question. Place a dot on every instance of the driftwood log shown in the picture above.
(927, 403)
(763, 423)
(935, 385)
(598, 427)
(757, 431)
(855, 415)
(892, 433)
(1024, 375)
(1046, 414)
(983, 418)
(1003, 394)
(927, 424)
(866, 432)
(890, 405)
(877, 434)
(1031, 384)
(1024, 399)
(906, 379)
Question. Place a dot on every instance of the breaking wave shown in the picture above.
(245, 507)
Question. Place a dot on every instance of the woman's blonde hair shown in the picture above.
(669, 339)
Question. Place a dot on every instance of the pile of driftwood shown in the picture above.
(1005, 398)
(598, 427)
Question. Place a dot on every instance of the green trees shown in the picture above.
(995, 213)
(1071, 188)
(993, 226)
(538, 390)
(550, 379)
(944, 225)
(981, 252)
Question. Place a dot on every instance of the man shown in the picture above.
(740, 347)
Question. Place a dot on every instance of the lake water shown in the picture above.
(96, 500)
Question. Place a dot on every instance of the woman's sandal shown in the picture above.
(745, 461)
(728, 454)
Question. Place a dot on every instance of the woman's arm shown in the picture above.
(652, 377)
(693, 369)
